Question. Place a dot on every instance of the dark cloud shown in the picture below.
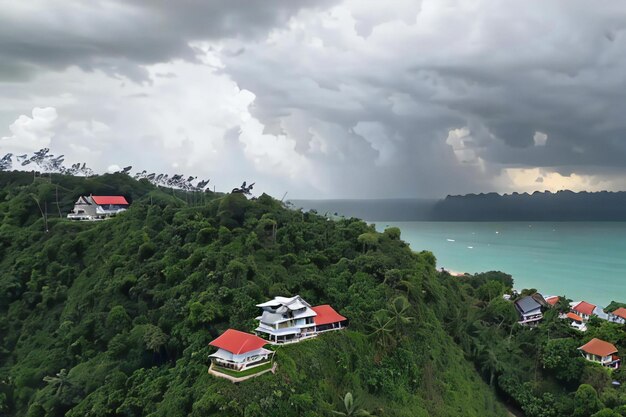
(118, 36)
(351, 98)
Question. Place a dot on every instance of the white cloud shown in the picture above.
(31, 133)
(540, 138)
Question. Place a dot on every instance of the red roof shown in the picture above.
(326, 315)
(237, 342)
(598, 347)
(620, 312)
(553, 300)
(574, 316)
(584, 308)
(109, 199)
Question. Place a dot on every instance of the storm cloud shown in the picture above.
(348, 98)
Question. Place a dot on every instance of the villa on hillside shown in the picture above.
(529, 309)
(285, 320)
(618, 316)
(584, 309)
(239, 351)
(601, 352)
(97, 207)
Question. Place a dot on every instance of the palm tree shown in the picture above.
(59, 381)
(399, 312)
(382, 329)
(351, 408)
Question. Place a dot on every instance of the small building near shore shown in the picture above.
(584, 309)
(599, 351)
(239, 351)
(98, 207)
(576, 321)
(552, 300)
(618, 316)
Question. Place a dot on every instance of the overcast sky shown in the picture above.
(354, 98)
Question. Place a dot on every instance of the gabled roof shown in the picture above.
(326, 315)
(527, 304)
(574, 316)
(620, 312)
(238, 342)
(292, 303)
(584, 308)
(109, 199)
(598, 347)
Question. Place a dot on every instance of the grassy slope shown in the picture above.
(128, 306)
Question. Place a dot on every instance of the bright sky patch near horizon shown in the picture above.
(324, 99)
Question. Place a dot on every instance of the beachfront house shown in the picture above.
(584, 309)
(97, 207)
(601, 352)
(239, 351)
(618, 316)
(291, 319)
(576, 321)
(529, 310)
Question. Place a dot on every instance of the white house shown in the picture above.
(285, 320)
(97, 207)
(601, 352)
(585, 310)
(576, 321)
(240, 351)
(618, 316)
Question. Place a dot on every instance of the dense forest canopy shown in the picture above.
(113, 318)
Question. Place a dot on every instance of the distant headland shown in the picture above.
(539, 206)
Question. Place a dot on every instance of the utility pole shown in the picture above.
(57, 198)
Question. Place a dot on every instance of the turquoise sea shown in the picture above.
(582, 260)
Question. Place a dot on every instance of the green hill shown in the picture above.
(114, 318)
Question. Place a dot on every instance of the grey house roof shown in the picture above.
(527, 304)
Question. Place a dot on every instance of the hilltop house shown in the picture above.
(584, 309)
(529, 309)
(285, 320)
(97, 207)
(239, 351)
(601, 352)
(618, 316)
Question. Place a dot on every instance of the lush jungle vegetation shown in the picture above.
(114, 318)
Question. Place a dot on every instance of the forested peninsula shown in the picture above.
(114, 318)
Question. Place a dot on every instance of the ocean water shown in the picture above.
(582, 260)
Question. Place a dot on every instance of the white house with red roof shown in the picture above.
(601, 352)
(576, 321)
(239, 351)
(584, 309)
(97, 207)
(291, 319)
(618, 316)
